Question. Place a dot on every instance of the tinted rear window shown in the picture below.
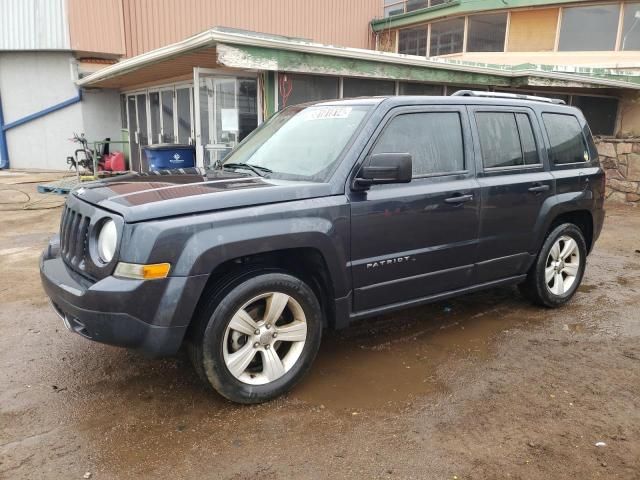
(566, 139)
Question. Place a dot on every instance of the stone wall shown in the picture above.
(620, 159)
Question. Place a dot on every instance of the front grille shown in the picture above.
(74, 232)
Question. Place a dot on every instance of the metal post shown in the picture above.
(4, 152)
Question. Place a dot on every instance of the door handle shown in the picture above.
(539, 188)
(459, 199)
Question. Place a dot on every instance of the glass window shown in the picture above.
(392, 7)
(411, 88)
(433, 3)
(226, 132)
(499, 139)
(206, 105)
(167, 115)
(592, 28)
(306, 88)
(416, 5)
(247, 106)
(301, 143)
(631, 27)
(486, 33)
(433, 139)
(413, 41)
(123, 110)
(527, 139)
(359, 87)
(184, 115)
(600, 113)
(447, 37)
(154, 110)
(143, 134)
(566, 139)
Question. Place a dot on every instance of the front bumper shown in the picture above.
(147, 315)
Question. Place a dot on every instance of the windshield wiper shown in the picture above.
(247, 166)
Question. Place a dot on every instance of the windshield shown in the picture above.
(299, 143)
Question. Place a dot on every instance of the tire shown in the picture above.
(219, 352)
(566, 275)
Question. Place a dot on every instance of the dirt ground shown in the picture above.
(484, 386)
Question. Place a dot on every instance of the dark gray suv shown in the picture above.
(328, 213)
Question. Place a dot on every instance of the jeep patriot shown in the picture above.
(328, 213)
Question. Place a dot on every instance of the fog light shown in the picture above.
(142, 272)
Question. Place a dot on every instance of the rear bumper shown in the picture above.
(150, 316)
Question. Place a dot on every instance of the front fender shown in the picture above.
(198, 244)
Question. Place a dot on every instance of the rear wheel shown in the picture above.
(258, 338)
(559, 267)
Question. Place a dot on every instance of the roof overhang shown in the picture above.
(235, 49)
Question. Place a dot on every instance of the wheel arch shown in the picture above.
(306, 263)
(583, 219)
(565, 208)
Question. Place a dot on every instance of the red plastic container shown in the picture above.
(114, 162)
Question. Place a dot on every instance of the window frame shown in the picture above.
(581, 123)
(467, 139)
(469, 19)
(537, 136)
(561, 18)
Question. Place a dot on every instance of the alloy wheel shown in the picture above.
(265, 338)
(563, 265)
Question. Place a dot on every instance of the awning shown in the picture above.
(239, 49)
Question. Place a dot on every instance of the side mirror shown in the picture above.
(382, 168)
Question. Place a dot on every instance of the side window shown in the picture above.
(434, 139)
(506, 139)
(566, 138)
(527, 139)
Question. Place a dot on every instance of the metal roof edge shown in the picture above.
(457, 7)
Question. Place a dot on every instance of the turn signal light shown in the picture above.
(142, 272)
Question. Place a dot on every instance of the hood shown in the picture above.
(142, 196)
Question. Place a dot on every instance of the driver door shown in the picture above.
(416, 240)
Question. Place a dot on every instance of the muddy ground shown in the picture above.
(484, 386)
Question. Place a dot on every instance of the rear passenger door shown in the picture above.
(414, 240)
(514, 185)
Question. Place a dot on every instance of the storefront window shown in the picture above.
(298, 88)
(592, 28)
(167, 115)
(358, 87)
(600, 112)
(154, 111)
(228, 110)
(412, 88)
(486, 33)
(447, 37)
(413, 41)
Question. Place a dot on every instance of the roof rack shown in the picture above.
(513, 96)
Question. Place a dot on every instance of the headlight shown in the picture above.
(107, 241)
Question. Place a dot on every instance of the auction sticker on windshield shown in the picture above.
(322, 113)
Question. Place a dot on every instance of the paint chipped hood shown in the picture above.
(138, 197)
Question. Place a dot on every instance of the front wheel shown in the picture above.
(559, 267)
(259, 338)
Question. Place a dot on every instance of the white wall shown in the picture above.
(33, 81)
(34, 25)
(101, 114)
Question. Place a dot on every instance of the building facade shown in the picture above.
(156, 71)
